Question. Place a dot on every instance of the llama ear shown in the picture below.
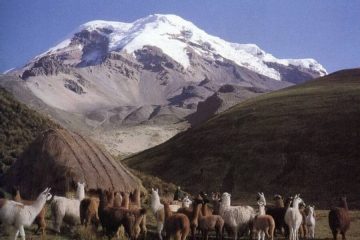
(152, 189)
(157, 190)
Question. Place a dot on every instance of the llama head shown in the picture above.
(277, 197)
(45, 195)
(261, 198)
(226, 199)
(215, 196)
(297, 200)
(186, 202)
(80, 190)
(155, 194)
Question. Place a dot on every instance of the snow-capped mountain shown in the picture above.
(155, 70)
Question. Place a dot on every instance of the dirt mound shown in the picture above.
(59, 158)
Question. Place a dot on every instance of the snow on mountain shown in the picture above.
(176, 37)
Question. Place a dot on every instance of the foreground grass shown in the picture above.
(322, 230)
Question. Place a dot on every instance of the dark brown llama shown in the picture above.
(339, 219)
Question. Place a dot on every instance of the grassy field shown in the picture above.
(322, 230)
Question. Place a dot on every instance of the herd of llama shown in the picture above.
(194, 217)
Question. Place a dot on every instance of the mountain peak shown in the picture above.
(179, 38)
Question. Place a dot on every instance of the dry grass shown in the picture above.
(322, 230)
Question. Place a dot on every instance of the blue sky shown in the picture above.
(328, 31)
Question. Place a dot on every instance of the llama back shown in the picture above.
(9, 210)
(235, 215)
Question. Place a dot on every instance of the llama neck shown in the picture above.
(167, 210)
(155, 203)
(344, 204)
(261, 210)
(296, 204)
(17, 197)
(279, 203)
(80, 193)
(125, 202)
(137, 199)
(196, 212)
(204, 209)
(34, 209)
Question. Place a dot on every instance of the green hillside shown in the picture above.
(302, 139)
(19, 126)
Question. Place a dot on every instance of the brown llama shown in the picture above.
(263, 225)
(215, 202)
(118, 199)
(207, 223)
(112, 218)
(125, 200)
(40, 218)
(339, 219)
(279, 201)
(303, 228)
(134, 202)
(177, 225)
(89, 212)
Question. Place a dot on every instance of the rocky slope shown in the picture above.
(154, 71)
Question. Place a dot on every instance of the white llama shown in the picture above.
(62, 206)
(19, 215)
(186, 202)
(237, 218)
(310, 222)
(293, 218)
(158, 210)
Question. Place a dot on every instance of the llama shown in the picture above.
(135, 204)
(310, 222)
(40, 219)
(62, 207)
(339, 219)
(207, 223)
(279, 201)
(293, 218)
(176, 225)
(125, 200)
(19, 215)
(263, 224)
(278, 213)
(303, 228)
(158, 210)
(215, 201)
(89, 212)
(118, 199)
(186, 202)
(112, 218)
(238, 218)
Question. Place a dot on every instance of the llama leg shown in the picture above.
(258, 235)
(22, 232)
(143, 227)
(343, 237)
(160, 226)
(313, 232)
(262, 235)
(177, 235)
(235, 231)
(17, 233)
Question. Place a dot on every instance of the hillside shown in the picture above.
(19, 126)
(303, 139)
